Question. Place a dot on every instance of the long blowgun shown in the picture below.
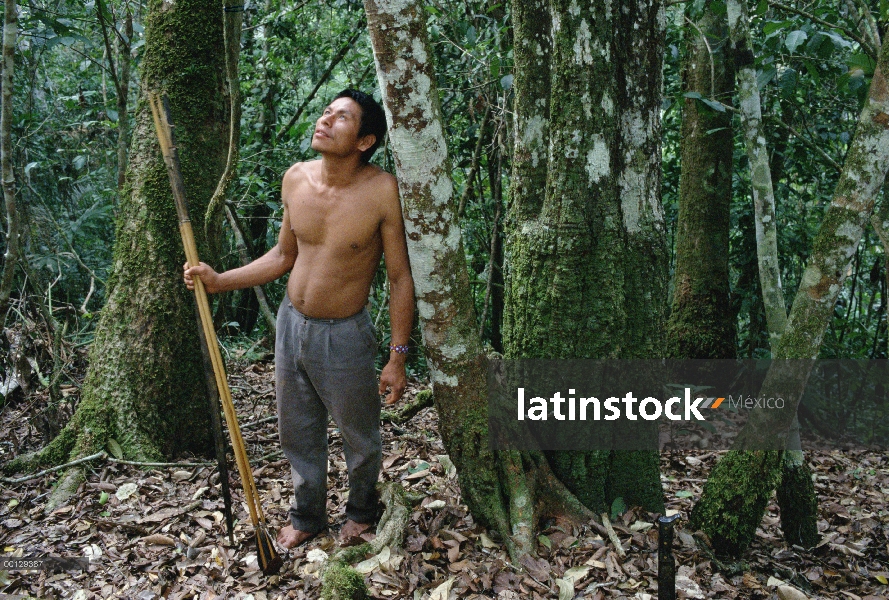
(269, 560)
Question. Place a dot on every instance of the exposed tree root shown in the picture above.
(422, 400)
(97, 455)
(340, 580)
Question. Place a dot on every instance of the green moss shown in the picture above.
(734, 500)
(635, 477)
(798, 503)
(341, 582)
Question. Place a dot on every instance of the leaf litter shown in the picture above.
(160, 532)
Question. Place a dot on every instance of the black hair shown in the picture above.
(373, 119)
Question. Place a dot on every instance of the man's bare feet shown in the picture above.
(289, 537)
(352, 533)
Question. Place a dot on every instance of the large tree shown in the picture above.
(601, 200)
(587, 255)
(145, 387)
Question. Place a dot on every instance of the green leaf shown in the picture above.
(684, 494)
(863, 62)
(717, 106)
(795, 39)
(772, 27)
(421, 466)
(114, 448)
(506, 82)
(618, 507)
(765, 76)
(787, 82)
(545, 541)
(495, 67)
(103, 497)
(694, 95)
(812, 70)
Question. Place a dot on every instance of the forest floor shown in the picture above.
(160, 532)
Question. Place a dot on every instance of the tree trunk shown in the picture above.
(760, 174)
(589, 260)
(508, 490)
(702, 323)
(13, 247)
(444, 301)
(864, 172)
(145, 385)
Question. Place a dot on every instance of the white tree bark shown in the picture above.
(760, 173)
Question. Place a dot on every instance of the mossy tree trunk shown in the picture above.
(447, 317)
(145, 386)
(702, 323)
(796, 493)
(587, 253)
(737, 491)
(604, 204)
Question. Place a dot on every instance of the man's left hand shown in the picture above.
(393, 378)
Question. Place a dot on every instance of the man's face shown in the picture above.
(336, 131)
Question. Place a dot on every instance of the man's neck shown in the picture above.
(340, 171)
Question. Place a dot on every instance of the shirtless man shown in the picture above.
(340, 215)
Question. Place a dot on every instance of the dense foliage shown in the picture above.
(814, 66)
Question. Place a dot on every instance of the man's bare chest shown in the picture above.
(346, 223)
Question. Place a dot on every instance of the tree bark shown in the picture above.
(588, 260)
(702, 323)
(834, 247)
(447, 316)
(760, 174)
(145, 384)
(509, 490)
(13, 228)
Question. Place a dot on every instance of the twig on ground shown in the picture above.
(606, 522)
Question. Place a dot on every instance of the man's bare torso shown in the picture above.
(337, 233)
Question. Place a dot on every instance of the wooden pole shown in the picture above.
(269, 560)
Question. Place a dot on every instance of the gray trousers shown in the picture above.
(327, 366)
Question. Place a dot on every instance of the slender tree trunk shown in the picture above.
(702, 323)
(233, 11)
(145, 384)
(796, 495)
(123, 116)
(746, 479)
(13, 228)
(447, 317)
(760, 174)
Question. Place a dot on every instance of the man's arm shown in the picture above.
(401, 290)
(268, 267)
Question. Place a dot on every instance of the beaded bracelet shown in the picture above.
(399, 348)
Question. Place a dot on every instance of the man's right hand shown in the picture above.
(208, 276)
